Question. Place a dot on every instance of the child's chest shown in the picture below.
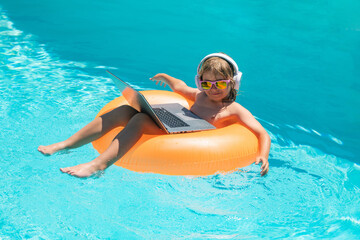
(218, 116)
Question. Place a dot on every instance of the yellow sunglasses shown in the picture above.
(219, 84)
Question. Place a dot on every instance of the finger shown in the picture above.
(164, 84)
(257, 161)
(157, 82)
(161, 83)
(264, 172)
(265, 165)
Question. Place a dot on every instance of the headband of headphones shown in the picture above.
(237, 73)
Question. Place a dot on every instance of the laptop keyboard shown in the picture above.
(169, 119)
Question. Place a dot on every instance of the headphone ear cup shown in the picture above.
(237, 78)
(197, 81)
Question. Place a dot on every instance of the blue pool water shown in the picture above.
(300, 62)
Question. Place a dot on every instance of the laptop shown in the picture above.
(171, 117)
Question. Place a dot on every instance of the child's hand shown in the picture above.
(264, 164)
(159, 78)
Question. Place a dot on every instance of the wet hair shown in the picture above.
(217, 65)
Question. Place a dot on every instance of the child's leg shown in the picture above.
(95, 129)
(138, 124)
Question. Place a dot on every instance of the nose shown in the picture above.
(213, 86)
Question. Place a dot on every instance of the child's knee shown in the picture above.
(142, 121)
(123, 112)
(141, 118)
(144, 124)
(126, 109)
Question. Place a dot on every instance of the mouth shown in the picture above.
(215, 93)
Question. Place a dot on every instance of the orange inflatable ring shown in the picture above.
(199, 153)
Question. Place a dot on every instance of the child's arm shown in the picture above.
(248, 119)
(176, 85)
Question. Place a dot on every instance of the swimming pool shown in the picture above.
(299, 63)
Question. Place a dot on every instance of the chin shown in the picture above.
(217, 97)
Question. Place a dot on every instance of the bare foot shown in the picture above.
(51, 149)
(83, 170)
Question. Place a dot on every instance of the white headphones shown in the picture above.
(237, 73)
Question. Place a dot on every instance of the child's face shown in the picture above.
(214, 93)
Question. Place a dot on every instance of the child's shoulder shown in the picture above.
(237, 109)
(235, 106)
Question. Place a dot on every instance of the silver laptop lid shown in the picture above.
(136, 99)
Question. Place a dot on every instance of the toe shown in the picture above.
(64, 170)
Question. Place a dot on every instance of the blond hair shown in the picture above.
(217, 65)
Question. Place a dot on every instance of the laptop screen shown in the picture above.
(127, 91)
(135, 98)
